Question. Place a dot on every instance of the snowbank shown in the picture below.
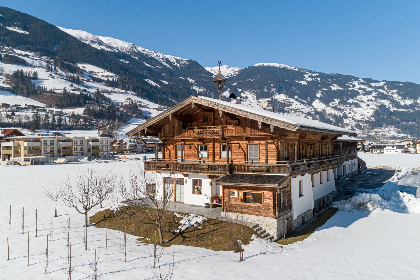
(391, 196)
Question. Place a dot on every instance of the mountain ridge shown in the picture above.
(362, 104)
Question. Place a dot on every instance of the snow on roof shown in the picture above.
(348, 138)
(303, 123)
(289, 122)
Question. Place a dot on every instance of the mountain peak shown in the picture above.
(117, 45)
(226, 70)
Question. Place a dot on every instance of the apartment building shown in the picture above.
(33, 149)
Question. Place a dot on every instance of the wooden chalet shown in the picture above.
(273, 169)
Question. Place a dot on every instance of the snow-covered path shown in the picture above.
(412, 180)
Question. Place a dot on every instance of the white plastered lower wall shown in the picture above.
(208, 188)
(301, 204)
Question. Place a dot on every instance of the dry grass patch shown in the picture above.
(309, 229)
(211, 234)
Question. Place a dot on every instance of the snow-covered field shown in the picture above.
(391, 160)
(373, 236)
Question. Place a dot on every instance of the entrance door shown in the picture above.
(179, 190)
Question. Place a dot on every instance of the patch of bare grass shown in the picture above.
(211, 234)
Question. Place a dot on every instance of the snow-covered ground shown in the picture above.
(378, 242)
(391, 160)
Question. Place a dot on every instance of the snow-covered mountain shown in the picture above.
(116, 45)
(226, 70)
(121, 69)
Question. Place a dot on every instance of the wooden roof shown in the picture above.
(252, 179)
(288, 122)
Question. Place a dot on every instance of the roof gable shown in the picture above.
(289, 122)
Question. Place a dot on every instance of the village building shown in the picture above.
(35, 149)
(377, 149)
(275, 170)
(394, 149)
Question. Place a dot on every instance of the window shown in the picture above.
(168, 184)
(223, 151)
(203, 151)
(52, 142)
(197, 186)
(45, 149)
(75, 149)
(233, 193)
(320, 178)
(179, 152)
(51, 149)
(300, 188)
(313, 180)
(81, 149)
(253, 155)
(81, 142)
(45, 142)
(328, 176)
(205, 119)
(251, 197)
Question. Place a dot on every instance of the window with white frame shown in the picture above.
(51, 142)
(203, 151)
(253, 153)
(224, 150)
(197, 186)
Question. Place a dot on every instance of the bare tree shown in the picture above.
(102, 183)
(155, 201)
(82, 193)
(157, 271)
(54, 195)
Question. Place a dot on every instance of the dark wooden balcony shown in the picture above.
(187, 167)
(219, 168)
(213, 132)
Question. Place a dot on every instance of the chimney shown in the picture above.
(234, 98)
(266, 104)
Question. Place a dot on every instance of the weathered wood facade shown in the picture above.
(215, 138)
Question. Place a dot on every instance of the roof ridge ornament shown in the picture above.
(219, 80)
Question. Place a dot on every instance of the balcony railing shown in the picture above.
(220, 168)
(214, 132)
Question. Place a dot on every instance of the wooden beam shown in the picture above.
(266, 152)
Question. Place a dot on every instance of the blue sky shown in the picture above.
(375, 39)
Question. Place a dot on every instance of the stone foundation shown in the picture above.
(324, 202)
(303, 219)
(276, 228)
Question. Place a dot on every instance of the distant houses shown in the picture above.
(411, 146)
(34, 149)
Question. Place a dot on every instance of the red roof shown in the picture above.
(12, 132)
